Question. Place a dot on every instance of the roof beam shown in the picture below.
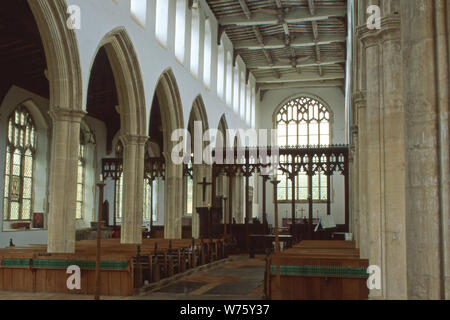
(259, 37)
(301, 84)
(306, 76)
(310, 63)
(276, 43)
(294, 16)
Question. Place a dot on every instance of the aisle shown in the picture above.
(239, 279)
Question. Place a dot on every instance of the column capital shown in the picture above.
(64, 114)
(390, 30)
(130, 139)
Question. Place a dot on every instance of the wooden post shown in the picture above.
(328, 186)
(293, 206)
(224, 210)
(101, 186)
(115, 205)
(247, 206)
(310, 197)
(151, 205)
(213, 187)
(275, 201)
(230, 198)
(264, 203)
(347, 195)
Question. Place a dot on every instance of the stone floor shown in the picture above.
(238, 279)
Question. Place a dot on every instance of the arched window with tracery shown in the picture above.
(303, 122)
(20, 156)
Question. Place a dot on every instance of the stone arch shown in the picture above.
(132, 109)
(65, 84)
(128, 79)
(61, 52)
(223, 127)
(198, 112)
(172, 118)
(169, 98)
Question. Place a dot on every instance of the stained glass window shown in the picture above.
(19, 166)
(303, 122)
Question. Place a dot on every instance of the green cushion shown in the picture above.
(321, 271)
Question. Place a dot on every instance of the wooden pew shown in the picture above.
(317, 271)
(124, 267)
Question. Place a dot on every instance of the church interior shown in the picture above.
(225, 149)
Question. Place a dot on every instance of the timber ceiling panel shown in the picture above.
(287, 43)
(22, 57)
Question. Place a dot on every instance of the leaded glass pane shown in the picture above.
(17, 160)
(303, 180)
(316, 194)
(292, 140)
(27, 188)
(281, 130)
(323, 194)
(5, 208)
(28, 169)
(10, 131)
(324, 128)
(281, 194)
(325, 140)
(14, 210)
(303, 193)
(26, 209)
(292, 129)
(80, 173)
(315, 180)
(8, 161)
(79, 214)
(79, 192)
(323, 179)
(313, 140)
(33, 140)
(6, 186)
(302, 140)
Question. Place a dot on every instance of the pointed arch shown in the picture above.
(223, 128)
(198, 112)
(169, 98)
(61, 52)
(128, 79)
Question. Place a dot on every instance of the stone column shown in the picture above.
(133, 188)
(173, 200)
(63, 180)
(383, 181)
(361, 180)
(425, 63)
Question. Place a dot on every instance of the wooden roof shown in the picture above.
(287, 43)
